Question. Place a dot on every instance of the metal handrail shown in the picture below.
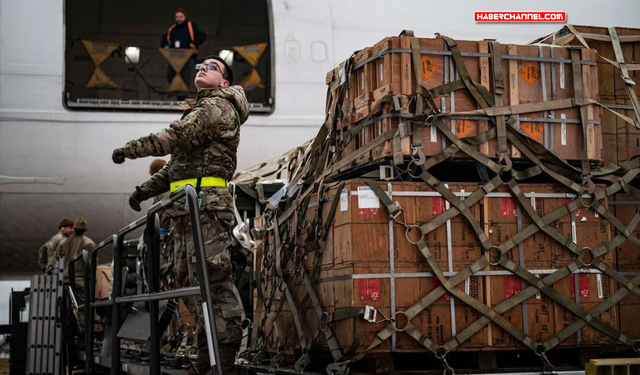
(152, 239)
(84, 256)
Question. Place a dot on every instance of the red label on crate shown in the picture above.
(428, 68)
(436, 283)
(368, 211)
(530, 73)
(437, 205)
(464, 128)
(512, 286)
(583, 285)
(578, 212)
(509, 206)
(369, 289)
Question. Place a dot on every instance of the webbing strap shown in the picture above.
(578, 89)
(629, 83)
(480, 96)
(499, 89)
(458, 206)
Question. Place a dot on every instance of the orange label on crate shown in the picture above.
(583, 285)
(464, 128)
(509, 206)
(530, 73)
(428, 68)
(437, 205)
(533, 130)
(369, 289)
(512, 286)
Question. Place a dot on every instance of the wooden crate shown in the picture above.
(359, 243)
(612, 90)
(545, 317)
(559, 131)
(628, 260)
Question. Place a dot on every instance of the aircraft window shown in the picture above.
(118, 56)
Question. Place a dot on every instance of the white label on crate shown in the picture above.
(381, 73)
(562, 76)
(538, 296)
(533, 202)
(462, 198)
(362, 80)
(434, 134)
(125, 367)
(563, 130)
(467, 286)
(344, 200)
(367, 198)
(97, 359)
(599, 281)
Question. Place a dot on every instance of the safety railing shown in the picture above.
(154, 295)
(88, 324)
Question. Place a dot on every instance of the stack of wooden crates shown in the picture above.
(371, 260)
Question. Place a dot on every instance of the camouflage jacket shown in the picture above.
(202, 143)
(46, 254)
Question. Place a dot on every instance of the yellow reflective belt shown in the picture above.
(206, 182)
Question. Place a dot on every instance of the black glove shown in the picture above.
(137, 197)
(118, 156)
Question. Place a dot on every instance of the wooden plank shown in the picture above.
(483, 125)
(513, 88)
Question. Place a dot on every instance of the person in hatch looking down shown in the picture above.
(203, 145)
(183, 34)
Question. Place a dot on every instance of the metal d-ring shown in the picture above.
(407, 230)
(593, 257)
(489, 253)
(394, 320)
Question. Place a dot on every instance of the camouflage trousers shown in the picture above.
(227, 310)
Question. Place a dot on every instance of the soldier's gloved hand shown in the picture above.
(137, 197)
(118, 156)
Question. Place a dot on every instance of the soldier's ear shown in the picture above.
(225, 83)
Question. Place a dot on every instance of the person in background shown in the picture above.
(183, 34)
(46, 253)
(70, 249)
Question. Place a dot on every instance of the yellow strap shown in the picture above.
(206, 182)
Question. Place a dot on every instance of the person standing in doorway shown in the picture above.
(183, 34)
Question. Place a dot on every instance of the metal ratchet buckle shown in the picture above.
(508, 164)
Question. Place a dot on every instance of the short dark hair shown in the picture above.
(228, 73)
(79, 231)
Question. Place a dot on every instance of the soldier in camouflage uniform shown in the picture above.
(202, 144)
